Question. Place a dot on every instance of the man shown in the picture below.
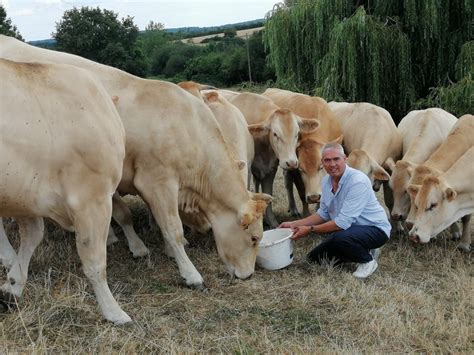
(349, 211)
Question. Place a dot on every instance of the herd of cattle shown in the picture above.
(77, 135)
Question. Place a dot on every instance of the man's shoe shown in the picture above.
(366, 269)
(375, 253)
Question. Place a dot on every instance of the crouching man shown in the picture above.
(349, 212)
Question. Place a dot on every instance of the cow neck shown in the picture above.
(460, 175)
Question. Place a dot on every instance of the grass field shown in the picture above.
(420, 300)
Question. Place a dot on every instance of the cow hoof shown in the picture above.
(8, 301)
(199, 287)
(138, 253)
(464, 247)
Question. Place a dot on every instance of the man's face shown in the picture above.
(334, 162)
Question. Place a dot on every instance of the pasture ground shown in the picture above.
(420, 300)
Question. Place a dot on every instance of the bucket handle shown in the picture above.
(277, 241)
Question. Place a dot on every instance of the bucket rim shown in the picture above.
(266, 245)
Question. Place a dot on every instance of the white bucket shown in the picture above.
(275, 250)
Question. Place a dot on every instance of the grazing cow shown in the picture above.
(308, 178)
(275, 132)
(62, 150)
(175, 158)
(423, 131)
(370, 138)
(453, 147)
(442, 200)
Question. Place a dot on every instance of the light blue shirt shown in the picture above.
(354, 202)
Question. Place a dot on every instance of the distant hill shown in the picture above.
(186, 32)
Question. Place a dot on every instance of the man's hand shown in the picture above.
(286, 225)
(300, 231)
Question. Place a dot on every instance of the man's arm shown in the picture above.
(311, 220)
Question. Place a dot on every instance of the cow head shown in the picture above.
(237, 236)
(311, 168)
(361, 160)
(434, 208)
(399, 179)
(282, 128)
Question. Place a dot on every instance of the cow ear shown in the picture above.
(338, 139)
(410, 168)
(413, 190)
(211, 96)
(381, 174)
(115, 99)
(259, 130)
(308, 125)
(260, 207)
(450, 194)
(389, 164)
(240, 164)
(260, 197)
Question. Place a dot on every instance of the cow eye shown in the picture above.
(275, 135)
(432, 206)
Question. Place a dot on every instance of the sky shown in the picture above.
(36, 19)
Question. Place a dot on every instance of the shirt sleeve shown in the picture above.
(354, 203)
(323, 210)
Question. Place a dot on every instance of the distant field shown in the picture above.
(240, 33)
(419, 301)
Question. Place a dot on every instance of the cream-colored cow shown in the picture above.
(442, 200)
(370, 138)
(175, 157)
(459, 140)
(423, 131)
(275, 132)
(308, 178)
(62, 149)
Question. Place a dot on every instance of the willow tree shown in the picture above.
(387, 52)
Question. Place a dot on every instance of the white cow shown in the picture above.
(423, 131)
(62, 149)
(442, 200)
(459, 140)
(370, 138)
(275, 133)
(175, 157)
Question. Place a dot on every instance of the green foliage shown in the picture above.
(386, 52)
(6, 26)
(100, 36)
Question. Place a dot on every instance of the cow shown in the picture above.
(62, 151)
(453, 147)
(423, 131)
(370, 138)
(175, 157)
(307, 178)
(441, 200)
(275, 132)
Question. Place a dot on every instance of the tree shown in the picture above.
(6, 27)
(389, 53)
(100, 36)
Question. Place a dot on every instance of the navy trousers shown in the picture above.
(350, 245)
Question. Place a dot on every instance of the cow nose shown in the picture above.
(415, 238)
(409, 225)
(313, 198)
(397, 217)
(292, 164)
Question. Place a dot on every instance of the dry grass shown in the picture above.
(420, 300)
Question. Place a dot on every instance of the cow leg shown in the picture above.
(292, 209)
(31, 234)
(91, 222)
(397, 226)
(455, 231)
(267, 187)
(7, 254)
(123, 216)
(465, 242)
(163, 202)
(111, 237)
(299, 184)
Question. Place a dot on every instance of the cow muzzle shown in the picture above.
(291, 164)
(397, 217)
(313, 198)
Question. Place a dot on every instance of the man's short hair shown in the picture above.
(336, 146)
